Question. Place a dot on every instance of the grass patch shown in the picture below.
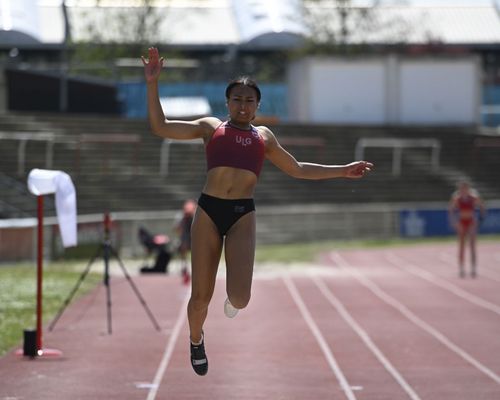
(18, 296)
(308, 252)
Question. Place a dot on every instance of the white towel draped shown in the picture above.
(44, 181)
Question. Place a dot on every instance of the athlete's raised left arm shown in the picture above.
(482, 208)
(305, 170)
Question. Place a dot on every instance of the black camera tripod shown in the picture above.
(105, 250)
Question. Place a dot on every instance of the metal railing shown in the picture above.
(397, 146)
(80, 141)
(23, 138)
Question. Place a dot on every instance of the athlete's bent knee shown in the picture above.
(239, 301)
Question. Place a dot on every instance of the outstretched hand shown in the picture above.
(358, 169)
(153, 65)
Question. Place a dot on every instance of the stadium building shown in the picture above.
(413, 88)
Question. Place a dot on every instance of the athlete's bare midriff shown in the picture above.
(230, 183)
(466, 214)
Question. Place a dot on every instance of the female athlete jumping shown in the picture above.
(235, 150)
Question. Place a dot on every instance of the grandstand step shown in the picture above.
(126, 176)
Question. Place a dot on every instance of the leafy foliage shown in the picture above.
(136, 27)
(343, 26)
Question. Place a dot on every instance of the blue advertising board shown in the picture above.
(419, 223)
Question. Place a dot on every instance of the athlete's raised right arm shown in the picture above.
(452, 208)
(200, 128)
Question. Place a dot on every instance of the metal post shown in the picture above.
(396, 160)
(21, 156)
(164, 157)
(39, 275)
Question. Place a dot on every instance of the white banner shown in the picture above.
(42, 182)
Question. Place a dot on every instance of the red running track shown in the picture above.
(392, 323)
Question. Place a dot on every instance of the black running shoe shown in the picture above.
(199, 360)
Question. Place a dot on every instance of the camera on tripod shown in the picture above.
(106, 251)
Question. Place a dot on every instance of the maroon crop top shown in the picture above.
(237, 148)
(466, 203)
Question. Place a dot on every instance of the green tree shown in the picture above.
(110, 33)
(341, 26)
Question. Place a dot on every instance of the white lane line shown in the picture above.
(169, 349)
(343, 264)
(319, 337)
(400, 263)
(337, 304)
(482, 271)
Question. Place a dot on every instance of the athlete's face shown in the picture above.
(242, 104)
(464, 188)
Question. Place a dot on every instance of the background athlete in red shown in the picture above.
(462, 213)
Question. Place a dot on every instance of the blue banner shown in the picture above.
(133, 97)
(420, 223)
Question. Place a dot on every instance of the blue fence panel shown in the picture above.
(420, 223)
(491, 223)
(491, 97)
(133, 97)
(274, 98)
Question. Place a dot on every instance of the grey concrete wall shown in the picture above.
(275, 224)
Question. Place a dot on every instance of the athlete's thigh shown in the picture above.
(472, 235)
(462, 233)
(206, 249)
(240, 254)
